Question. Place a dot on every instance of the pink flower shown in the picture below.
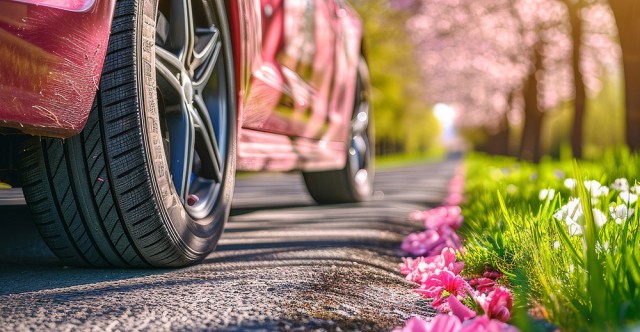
(458, 309)
(456, 185)
(447, 259)
(442, 284)
(454, 199)
(415, 324)
(439, 323)
(431, 242)
(491, 274)
(497, 304)
(441, 216)
(445, 323)
(449, 323)
(422, 243)
(419, 269)
(483, 285)
(485, 324)
(411, 267)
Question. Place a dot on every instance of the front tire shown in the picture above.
(149, 180)
(353, 183)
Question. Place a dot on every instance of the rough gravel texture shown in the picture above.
(283, 264)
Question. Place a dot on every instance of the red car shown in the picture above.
(124, 121)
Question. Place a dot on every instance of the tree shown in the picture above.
(533, 115)
(476, 54)
(626, 16)
(574, 7)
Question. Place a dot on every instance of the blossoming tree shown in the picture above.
(502, 62)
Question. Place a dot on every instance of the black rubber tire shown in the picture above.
(105, 197)
(341, 186)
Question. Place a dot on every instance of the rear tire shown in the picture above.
(353, 183)
(149, 180)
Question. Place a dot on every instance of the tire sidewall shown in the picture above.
(195, 238)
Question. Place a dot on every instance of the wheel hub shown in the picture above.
(187, 87)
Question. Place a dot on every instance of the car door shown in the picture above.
(290, 91)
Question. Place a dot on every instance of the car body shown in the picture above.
(124, 121)
(52, 59)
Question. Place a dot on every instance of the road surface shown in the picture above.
(283, 264)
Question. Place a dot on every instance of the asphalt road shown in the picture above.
(283, 264)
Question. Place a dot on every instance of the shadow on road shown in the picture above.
(274, 223)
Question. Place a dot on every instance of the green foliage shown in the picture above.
(402, 114)
(408, 159)
(603, 123)
(588, 281)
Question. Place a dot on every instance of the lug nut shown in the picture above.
(192, 200)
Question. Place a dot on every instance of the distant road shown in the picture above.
(283, 263)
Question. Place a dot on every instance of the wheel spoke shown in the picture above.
(182, 133)
(209, 14)
(181, 29)
(360, 144)
(168, 68)
(205, 55)
(207, 144)
(162, 29)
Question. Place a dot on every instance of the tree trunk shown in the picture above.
(530, 144)
(497, 142)
(626, 12)
(577, 135)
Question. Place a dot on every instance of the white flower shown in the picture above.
(546, 194)
(570, 183)
(599, 217)
(556, 245)
(596, 189)
(572, 210)
(591, 184)
(574, 228)
(570, 213)
(628, 197)
(635, 188)
(620, 184)
(512, 189)
(620, 213)
(573, 216)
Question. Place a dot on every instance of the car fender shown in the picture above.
(51, 64)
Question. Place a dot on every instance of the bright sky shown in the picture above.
(445, 114)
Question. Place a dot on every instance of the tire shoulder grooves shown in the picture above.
(54, 197)
(93, 201)
(80, 207)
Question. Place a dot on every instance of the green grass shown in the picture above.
(589, 281)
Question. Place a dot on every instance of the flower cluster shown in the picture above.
(431, 241)
(440, 223)
(436, 270)
(456, 189)
(447, 323)
(573, 215)
(448, 215)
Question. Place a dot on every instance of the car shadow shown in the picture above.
(27, 264)
(270, 225)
